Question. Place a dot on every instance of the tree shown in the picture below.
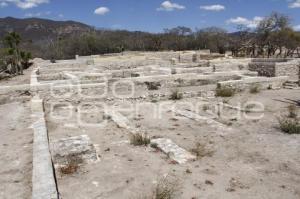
(213, 38)
(271, 31)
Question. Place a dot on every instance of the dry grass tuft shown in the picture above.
(71, 166)
(167, 188)
(201, 151)
(225, 92)
(153, 85)
(289, 125)
(139, 139)
(176, 95)
(254, 89)
(292, 109)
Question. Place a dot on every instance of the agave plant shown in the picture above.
(15, 59)
(12, 41)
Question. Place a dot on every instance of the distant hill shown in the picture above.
(36, 29)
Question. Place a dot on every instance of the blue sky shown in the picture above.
(153, 15)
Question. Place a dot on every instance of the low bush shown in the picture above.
(289, 125)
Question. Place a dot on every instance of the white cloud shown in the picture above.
(297, 28)
(61, 16)
(101, 11)
(3, 4)
(250, 23)
(216, 7)
(33, 14)
(169, 6)
(38, 14)
(295, 4)
(24, 4)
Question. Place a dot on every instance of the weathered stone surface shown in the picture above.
(263, 82)
(174, 152)
(43, 180)
(77, 148)
(221, 129)
(120, 120)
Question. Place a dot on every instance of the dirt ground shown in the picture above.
(16, 150)
(18, 80)
(16, 141)
(254, 160)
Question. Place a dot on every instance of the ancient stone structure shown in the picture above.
(136, 79)
(276, 67)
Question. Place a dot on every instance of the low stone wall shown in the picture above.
(189, 57)
(43, 179)
(263, 83)
(274, 60)
(187, 79)
(127, 64)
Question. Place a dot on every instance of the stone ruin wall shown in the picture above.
(263, 68)
(276, 68)
(288, 69)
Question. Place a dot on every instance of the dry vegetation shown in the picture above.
(167, 188)
(200, 150)
(225, 91)
(290, 123)
(71, 166)
(138, 139)
(176, 95)
(255, 89)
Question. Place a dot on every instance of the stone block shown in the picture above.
(78, 148)
(173, 151)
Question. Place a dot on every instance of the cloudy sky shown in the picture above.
(154, 15)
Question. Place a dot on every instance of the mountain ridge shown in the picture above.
(38, 29)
